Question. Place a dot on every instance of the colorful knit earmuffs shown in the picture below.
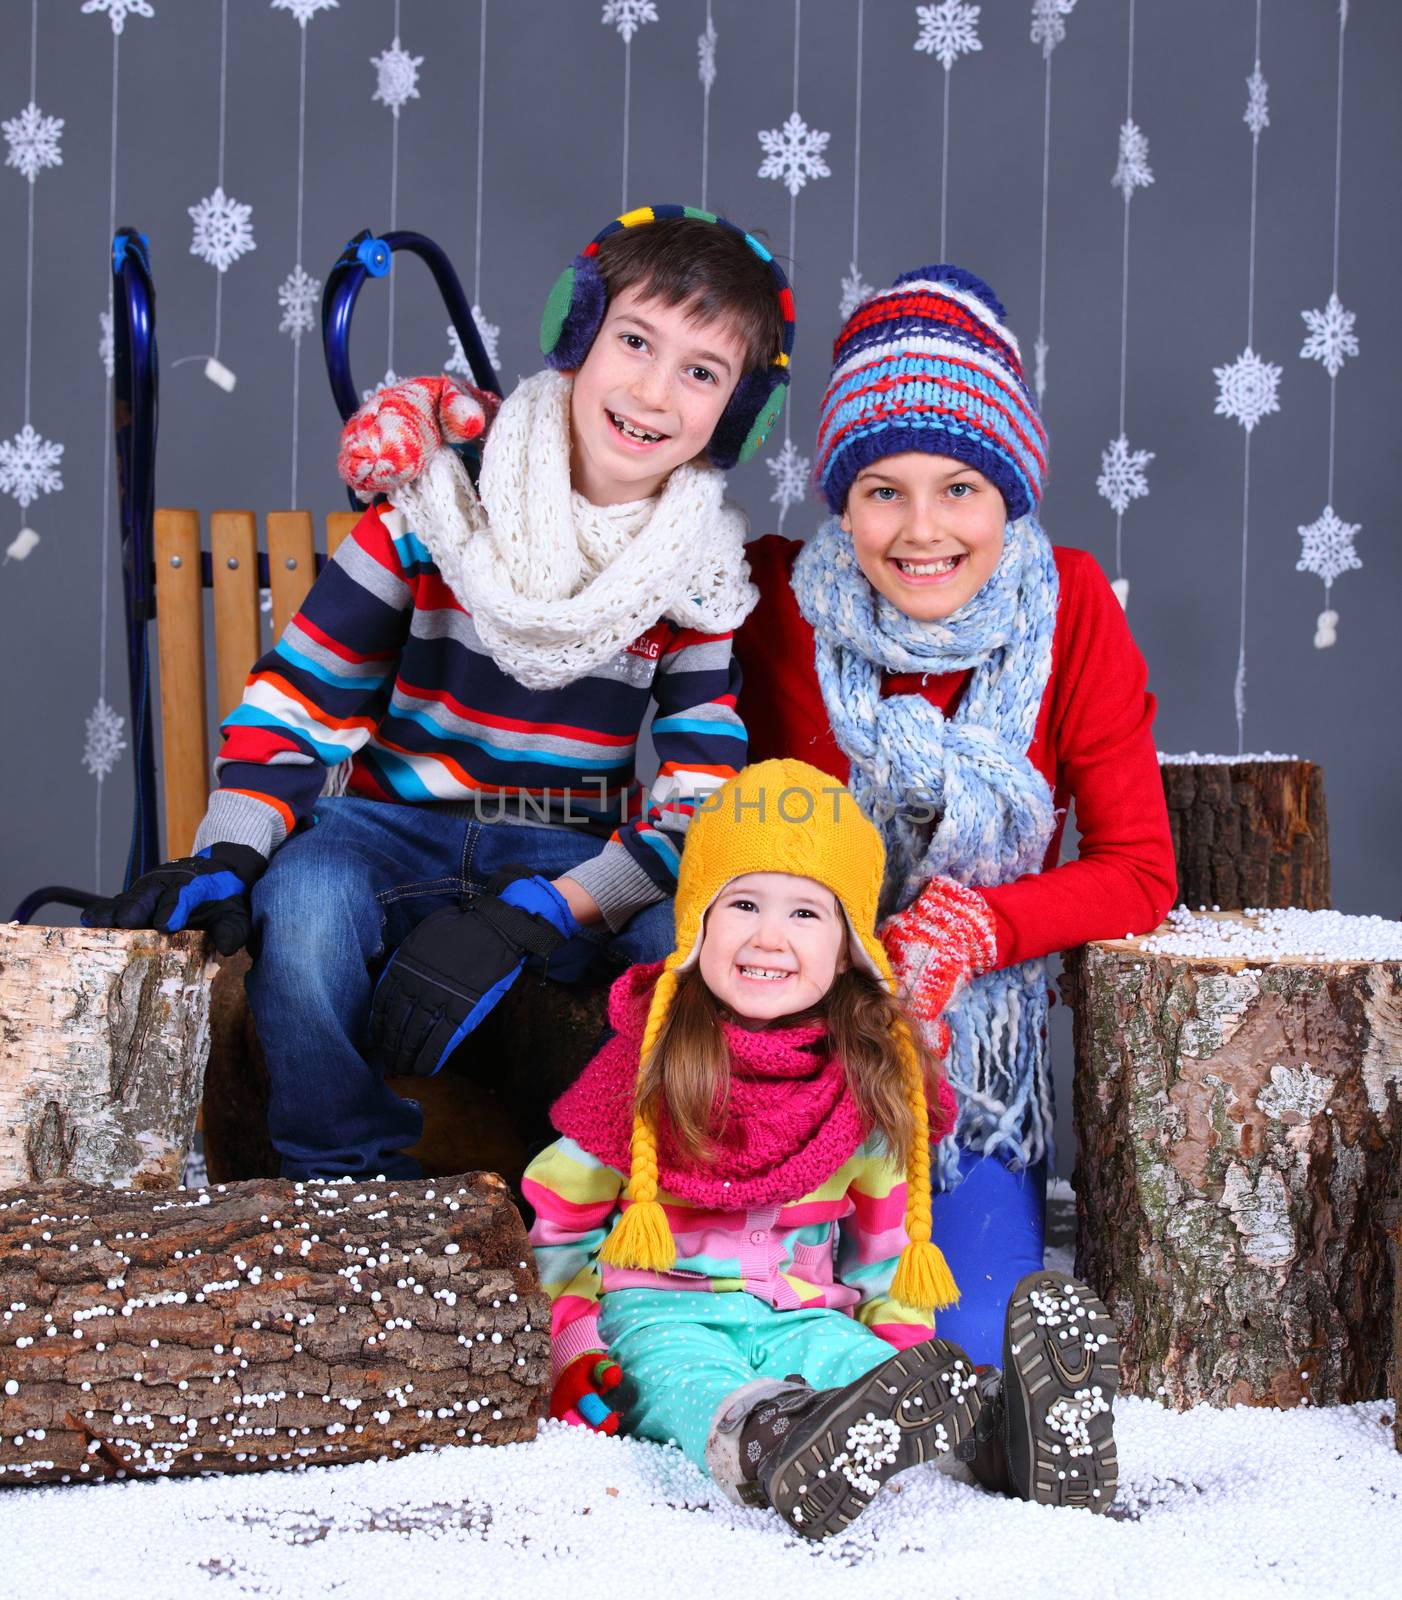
(782, 816)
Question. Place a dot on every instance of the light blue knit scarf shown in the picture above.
(994, 808)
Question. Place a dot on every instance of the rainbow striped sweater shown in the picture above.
(836, 1246)
(382, 669)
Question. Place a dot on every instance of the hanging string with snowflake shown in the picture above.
(627, 16)
(223, 227)
(947, 30)
(104, 731)
(29, 463)
(706, 72)
(490, 332)
(1122, 469)
(1048, 30)
(396, 83)
(793, 155)
(855, 288)
(1247, 387)
(1326, 544)
(299, 291)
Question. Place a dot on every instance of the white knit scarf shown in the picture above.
(555, 585)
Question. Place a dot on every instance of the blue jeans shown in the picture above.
(333, 902)
(990, 1227)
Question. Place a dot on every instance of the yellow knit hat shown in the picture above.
(782, 816)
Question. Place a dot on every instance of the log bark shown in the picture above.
(1249, 833)
(484, 1110)
(1239, 1136)
(103, 1040)
(263, 1325)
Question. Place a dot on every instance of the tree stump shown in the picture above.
(103, 1040)
(1248, 833)
(1239, 1136)
(263, 1325)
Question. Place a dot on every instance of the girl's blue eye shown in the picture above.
(960, 491)
(884, 493)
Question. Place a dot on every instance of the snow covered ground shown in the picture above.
(1211, 1503)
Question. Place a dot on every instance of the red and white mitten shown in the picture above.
(946, 936)
(388, 442)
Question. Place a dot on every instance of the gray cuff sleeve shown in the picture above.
(240, 819)
(618, 884)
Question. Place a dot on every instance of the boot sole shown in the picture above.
(1045, 1378)
(928, 1392)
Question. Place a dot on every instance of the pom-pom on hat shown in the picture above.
(928, 365)
(782, 816)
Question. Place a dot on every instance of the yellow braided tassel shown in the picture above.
(923, 1281)
(641, 1238)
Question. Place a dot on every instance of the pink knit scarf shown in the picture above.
(790, 1124)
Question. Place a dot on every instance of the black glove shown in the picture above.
(455, 966)
(208, 890)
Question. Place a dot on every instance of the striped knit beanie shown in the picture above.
(783, 816)
(928, 365)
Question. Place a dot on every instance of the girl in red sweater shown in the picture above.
(930, 648)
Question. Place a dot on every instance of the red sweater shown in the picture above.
(1093, 743)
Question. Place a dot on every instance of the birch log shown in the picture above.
(104, 1036)
(263, 1325)
(1248, 833)
(1239, 1136)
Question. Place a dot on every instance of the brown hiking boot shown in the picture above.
(1061, 1372)
(845, 1443)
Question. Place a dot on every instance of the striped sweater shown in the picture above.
(836, 1246)
(383, 670)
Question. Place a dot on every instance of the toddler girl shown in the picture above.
(761, 1120)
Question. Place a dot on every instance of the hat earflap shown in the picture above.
(923, 1281)
(641, 1238)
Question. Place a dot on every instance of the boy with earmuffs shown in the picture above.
(436, 760)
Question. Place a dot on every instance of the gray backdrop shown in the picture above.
(553, 172)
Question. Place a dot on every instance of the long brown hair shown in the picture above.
(687, 1073)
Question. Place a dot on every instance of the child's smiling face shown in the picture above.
(927, 531)
(772, 945)
(648, 396)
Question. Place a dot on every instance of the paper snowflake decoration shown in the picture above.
(457, 360)
(117, 11)
(29, 466)
(1048, 28)
(789, 471)
(1040, 350)
(106, 349)
(223, 230)
(303, 10)
(794, 153)
(103, 741)
(298, 294)
(396, 76)
(1122, 474)
(1246, 389)
(1132, 170)
(34, 141)
(706, 55)
(1331, 338)
(855, 289)
(947, 31)
(387, 382)
(1257, 114)
(628, 16)
(1326, 547)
